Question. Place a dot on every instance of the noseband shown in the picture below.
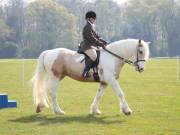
(138, 60)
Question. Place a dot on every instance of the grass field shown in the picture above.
(154, 97)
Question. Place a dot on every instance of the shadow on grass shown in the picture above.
(44, 120)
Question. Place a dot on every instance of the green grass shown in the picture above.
(154, 97)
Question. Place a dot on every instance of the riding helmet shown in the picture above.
(90, 14)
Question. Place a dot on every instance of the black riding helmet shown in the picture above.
(90, 14)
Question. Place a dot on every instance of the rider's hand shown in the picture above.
(105, 42)
(104, 46)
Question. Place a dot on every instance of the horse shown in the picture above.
(53, 65)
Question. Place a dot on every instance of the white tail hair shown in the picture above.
(39, 81)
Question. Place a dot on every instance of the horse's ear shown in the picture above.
(140, 45)
(148, 43)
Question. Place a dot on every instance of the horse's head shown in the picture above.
(132, 51)
(142, 55)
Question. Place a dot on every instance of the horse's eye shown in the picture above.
(141, 52)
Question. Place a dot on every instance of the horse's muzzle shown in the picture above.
(140, 70)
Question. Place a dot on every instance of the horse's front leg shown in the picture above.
(95, 104)
(123, 104)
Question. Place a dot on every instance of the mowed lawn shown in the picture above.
(154, 97)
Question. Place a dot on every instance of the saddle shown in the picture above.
(94, 66)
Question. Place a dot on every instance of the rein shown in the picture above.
(119, 57)
(125, 60)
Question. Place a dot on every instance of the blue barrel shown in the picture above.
(11, 103)
(3, 100)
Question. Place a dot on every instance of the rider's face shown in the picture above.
(92, 20)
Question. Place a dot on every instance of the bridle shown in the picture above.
(135, 63)
(138, 60)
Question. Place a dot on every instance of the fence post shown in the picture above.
(177, 68)
(23, 72)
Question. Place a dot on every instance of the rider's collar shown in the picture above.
(92, 24)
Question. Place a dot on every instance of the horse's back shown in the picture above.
(53, 57)
(64, 62)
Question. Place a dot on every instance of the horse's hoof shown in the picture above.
(127, 112)
(60, 113)
(97, 112)
(38, 109)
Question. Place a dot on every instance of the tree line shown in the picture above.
(26, 29)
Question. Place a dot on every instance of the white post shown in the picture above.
(23, 72)
(177, 68)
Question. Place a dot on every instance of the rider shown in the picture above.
(91, 41)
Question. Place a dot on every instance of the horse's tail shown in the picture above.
(39, 81)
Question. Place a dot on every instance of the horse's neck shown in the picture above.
(125, 49)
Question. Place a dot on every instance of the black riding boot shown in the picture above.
(88, 65)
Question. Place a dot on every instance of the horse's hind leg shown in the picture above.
(95, 104)
(53, 85)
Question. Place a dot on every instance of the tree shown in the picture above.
(5, 31)
(46, 24)
(14, 19)
(8, 50)
(49, 25)
(144, 21)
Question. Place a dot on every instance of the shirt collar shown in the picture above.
(93, 25)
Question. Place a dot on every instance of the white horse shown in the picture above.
(53, 65)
